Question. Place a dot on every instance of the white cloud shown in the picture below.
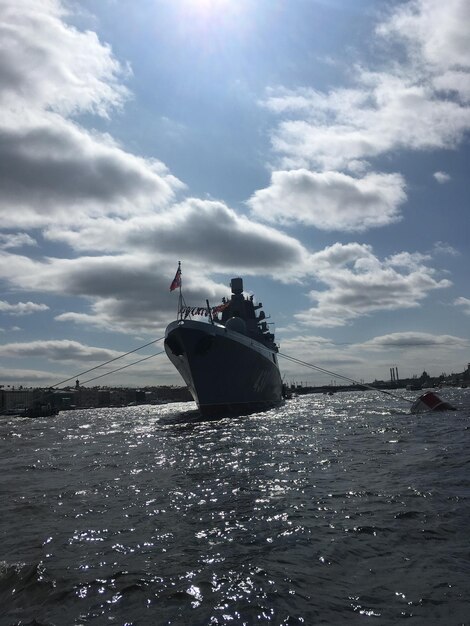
(387, 111)
(442, 247)
(406, 340)
(16, 240)
(47, 63)
(204, 234)
(90, 193)
(359, 283)
(455, 82)
(51, 168)
(464, 303)
(436, 33)
(112, 285)
(330, 200)
(420, 103)
(26, 377)
(21, 308)
(229, 241)
(372, 359)
(326, 356)
(57, 350)
(441, 177)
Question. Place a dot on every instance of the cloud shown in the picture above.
(326, 356)
(130, 291)
(371, 359)
(83, 189)
(21, 308)
(330, 200)
(16, 240)
(442, 247)
(387, 111)
(455, 82)
(45, 61)
(51, 168)
(441, 177)
(26, 377)
(57, 350)
(123, 210)
(405, 340)
(229, 241)
(124, 292)
(359, 283)
(464, 303)
(436, 35)
(421, 103)
(86, 190)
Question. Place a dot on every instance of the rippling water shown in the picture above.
(331, 510)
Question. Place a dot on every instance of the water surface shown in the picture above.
(330, 510)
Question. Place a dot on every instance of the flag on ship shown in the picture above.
(177, 279)
(220, 307)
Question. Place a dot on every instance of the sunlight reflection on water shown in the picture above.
(330, 508)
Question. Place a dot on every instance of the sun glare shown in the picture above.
(208, 5)
(229, 8)
(213, 17)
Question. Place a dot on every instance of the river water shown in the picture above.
(329, 510)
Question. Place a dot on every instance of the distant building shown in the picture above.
(15, 399)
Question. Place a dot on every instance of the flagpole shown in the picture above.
(180, 298)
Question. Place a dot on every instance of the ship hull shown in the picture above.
(226, 372)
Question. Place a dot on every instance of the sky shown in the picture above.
(317, 148)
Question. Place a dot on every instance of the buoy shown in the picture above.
(430, 401)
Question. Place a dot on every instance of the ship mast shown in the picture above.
(179, 313)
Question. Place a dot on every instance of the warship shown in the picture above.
(228, 361)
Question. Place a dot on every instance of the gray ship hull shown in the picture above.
(227, 373)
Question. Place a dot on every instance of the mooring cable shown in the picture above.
(336, 375)
(107, 362)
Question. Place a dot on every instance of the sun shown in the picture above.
(211, 4)
(213, 16)
(230, 8)
(208, 6)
